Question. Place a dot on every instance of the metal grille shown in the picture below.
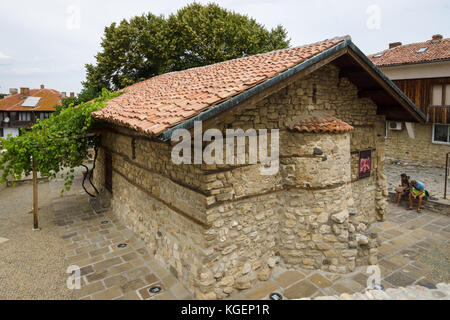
(108, 172)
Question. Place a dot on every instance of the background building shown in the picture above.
(422, 71)
(21, 109)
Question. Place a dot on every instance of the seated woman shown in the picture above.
(402, 189)
(417, 190)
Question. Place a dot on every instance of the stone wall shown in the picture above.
(419, 150)
(223, 227)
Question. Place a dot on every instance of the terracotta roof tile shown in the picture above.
(319, 123)
(49, 98)
(408, 53)
(169, 99)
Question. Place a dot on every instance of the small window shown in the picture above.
(386, 127)
(24, 116)
(378, 55)
(44, 115)
(437, 95)
(133, 149)
(440, 95)
(447, 95)
(441, 134)
(421, 50)
(314, 99)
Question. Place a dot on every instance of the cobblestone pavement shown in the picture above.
(432, 177)
(94, 242)
(414, 251)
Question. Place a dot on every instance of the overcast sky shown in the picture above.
(49, 42)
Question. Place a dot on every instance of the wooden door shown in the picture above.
(108, 172)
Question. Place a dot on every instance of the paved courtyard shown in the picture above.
(114, 263)
(414, 250)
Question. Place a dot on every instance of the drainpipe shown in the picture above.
(446, 174)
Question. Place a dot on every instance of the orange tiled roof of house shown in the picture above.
(436, 50)
(48, 99)
(159, 103)
(320, 123)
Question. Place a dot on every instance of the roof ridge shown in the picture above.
(408, 45)
(37, 92)
(337, 38)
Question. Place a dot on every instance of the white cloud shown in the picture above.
(26, 71)
(4, 56)
(61, 60)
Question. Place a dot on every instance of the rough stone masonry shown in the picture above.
(221, 228)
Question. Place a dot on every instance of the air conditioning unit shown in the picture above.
(395, 125)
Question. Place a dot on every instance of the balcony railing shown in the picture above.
(439, 114)
(16, 124)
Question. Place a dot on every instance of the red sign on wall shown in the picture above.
(365, 164)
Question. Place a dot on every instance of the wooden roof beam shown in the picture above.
(351, 72)
(367, 93)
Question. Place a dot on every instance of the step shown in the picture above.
(441, 206)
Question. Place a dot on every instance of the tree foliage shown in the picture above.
(56, 143)
(196, 35)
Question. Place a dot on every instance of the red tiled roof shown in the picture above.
(320, 123)
(49, 98)
(408, 53)
(159, 103)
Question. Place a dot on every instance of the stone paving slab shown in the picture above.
(115, 264)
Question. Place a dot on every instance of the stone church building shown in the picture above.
(223, 227)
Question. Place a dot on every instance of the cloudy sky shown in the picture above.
(49, 41)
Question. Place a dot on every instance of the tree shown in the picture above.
(204, 35)
(196, 35)
(132, 51)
